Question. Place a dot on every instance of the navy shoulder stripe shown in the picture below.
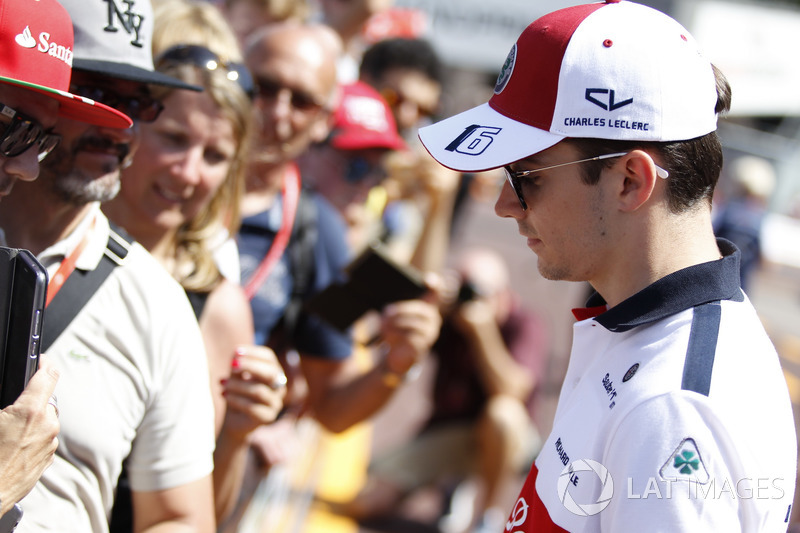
(702, 348)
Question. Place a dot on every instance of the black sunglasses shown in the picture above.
(20, 132)
(269, 89)
(202, 57)
(514, 177)
(359, 169)
(141, 108)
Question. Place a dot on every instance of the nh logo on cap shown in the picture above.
(131, 22)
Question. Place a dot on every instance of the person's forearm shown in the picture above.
(186, 508)
(230, 460)
(499, 371)
(175, 526)
(345, 406)
(431, 250)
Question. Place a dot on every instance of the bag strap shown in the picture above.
(81, 285)
(301, 255)
(702, 348)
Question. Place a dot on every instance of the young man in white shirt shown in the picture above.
(674, 414)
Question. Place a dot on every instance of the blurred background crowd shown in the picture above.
(300, 155)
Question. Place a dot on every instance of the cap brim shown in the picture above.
(129, 72)
(483, 139)
(77, 107)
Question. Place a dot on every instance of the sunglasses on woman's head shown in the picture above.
(202, 57)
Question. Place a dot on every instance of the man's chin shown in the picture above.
(83, 190)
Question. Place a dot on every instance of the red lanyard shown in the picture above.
(67, 266)
(291, 195)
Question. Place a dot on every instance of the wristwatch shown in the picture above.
(9, 521)
(393, 379)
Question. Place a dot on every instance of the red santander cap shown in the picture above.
(36, 38)
(364, 120)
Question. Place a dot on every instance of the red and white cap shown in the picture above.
(36, 39)
(608, 70)
(364, 120)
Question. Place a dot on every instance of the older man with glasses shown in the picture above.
(134, 377)
(293, 245)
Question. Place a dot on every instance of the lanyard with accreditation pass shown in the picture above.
(291, 196)
(67, 266)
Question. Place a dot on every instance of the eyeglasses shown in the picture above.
(20, 132)
(202, 57)
(141, 108)
(270, 89)
(513, 176)
(359, 169)
(394, 99)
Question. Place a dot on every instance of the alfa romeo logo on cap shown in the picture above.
(505, 72)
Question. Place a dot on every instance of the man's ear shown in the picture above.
(639, 180)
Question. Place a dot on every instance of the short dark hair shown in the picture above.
(417, 54)
(694, 165)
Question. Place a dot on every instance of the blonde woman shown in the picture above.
(180, 199)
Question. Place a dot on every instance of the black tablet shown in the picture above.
(373, 281)
(23, 292)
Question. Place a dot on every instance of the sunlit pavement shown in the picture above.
(776, 295)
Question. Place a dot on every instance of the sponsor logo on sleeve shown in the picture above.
(630, 373)
(685, 463)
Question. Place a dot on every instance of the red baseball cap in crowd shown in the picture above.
(36, 40)
(363, 120)
(609, 70)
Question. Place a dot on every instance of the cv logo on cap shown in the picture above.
(506, 71)
(25, 39)
(608, 103)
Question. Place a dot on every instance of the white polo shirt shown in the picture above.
(633, 450)
(134, 380)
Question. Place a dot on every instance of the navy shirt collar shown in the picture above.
(681, 290)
